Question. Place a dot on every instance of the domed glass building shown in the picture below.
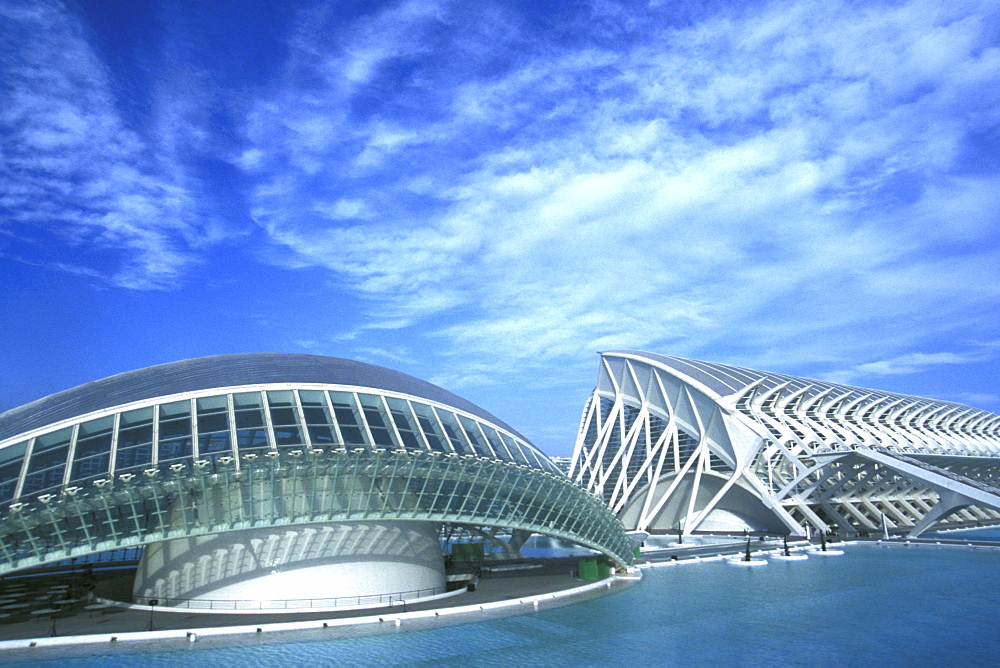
(276, 476)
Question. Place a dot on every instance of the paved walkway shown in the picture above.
(57, 605)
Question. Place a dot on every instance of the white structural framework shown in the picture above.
(674, 444)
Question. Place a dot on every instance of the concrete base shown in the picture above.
(323, 561)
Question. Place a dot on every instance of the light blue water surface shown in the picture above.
(875, 605)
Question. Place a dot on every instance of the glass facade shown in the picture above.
(238, 424)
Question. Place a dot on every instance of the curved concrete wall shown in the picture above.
(284, 563)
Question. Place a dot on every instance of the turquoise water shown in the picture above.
(875, 605)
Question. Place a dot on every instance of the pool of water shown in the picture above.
(874, 605)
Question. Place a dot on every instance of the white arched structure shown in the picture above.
(673, 444)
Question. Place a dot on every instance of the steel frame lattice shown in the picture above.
(339, 485)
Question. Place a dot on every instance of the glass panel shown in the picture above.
(377, 420)
(215, 404)
(247, 400)
(11, 459)
(312, 398)
(346, 411)
(213, 422)
(321, 435)
(280, 398)
(317, 415)
(287, 435)
(137, 456)
(135, 436)
(48, 479)
(513, 449)
(400, 411)
(90, 467)
(372, 406)
(138, 416)
(455, 434)
(13, 452)
(495, 443)
(53, 440)
(476, 438)
(217, 442)
(283, 416)
(175, 409)
(92, 446)
(102, 425)
(251, 418)
(172, 428)
(174, 448)
(429, 426)
(50, 450)
(251, 439)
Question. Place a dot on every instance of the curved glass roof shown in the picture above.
(239, 407)
(222, 371)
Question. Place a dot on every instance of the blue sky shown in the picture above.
(485, 194)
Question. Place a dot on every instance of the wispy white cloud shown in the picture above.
(912, 363)
(73, 167)
(770, 184)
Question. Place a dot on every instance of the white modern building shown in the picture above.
(278, 478)
(674, 444)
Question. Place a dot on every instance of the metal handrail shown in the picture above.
(289, 604)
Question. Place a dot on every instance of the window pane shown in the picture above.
(9, 473)
(251, 439)
(245, 419)
(103, 425)
(213, 422)
(346, 412)
(514, 450)
(429, 426)
(247, 400)
(12, 452)
(287, 436)
(48, 479)
(494, 441)
(90, 467)
(135, 436)
(455, 434)
(92, 446)
(53, 440)
(10, 469)
(48, 458)
(138, 416)
(212, 404)
(129, 457)
(216, 442)
(472, 431)
(174, 448)
(175, 409)
(312, 398)
(280, 398)
(316, 415)
(172, 428)
(283, 416)
(372, 406)
(320, 435)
